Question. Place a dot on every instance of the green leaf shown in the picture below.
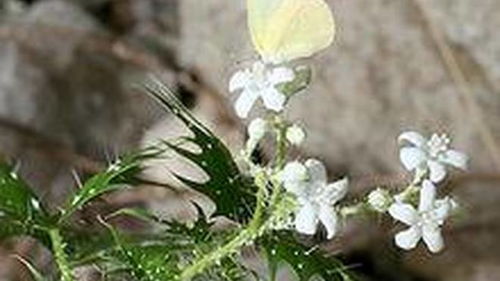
(21, 212)
(153, 260)
(197, 232)
(306, 262)
(302, 80)
(186, 243)
(232, 193)
(120, 175)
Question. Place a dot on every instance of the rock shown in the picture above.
(67, 86)
(60, 13)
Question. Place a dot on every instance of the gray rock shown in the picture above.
(60, 13)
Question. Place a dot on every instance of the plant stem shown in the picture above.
(59, 255)
(280, 159)
(406, 194)
(257, 224)
(280, 143)
(246, 236)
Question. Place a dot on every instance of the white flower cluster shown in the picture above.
(316, 200)
(428, 160)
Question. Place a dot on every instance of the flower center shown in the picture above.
(438, 144)
(428, 218)
(259, 77)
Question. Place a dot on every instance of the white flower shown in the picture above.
(430, 156)
(425, 222)
(260, 81)
(316, 198)
(295, 135)
(380, 200)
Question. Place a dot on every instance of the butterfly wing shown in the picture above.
(283, 30)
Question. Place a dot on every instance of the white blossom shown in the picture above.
(260, 82)
(423, 223)
(316, 198)
(295, 135)
(380, 200)
(430, 156)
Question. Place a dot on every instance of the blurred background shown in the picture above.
(69, 104)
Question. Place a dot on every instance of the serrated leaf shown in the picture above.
(146, 260)
(306, 262)
(21, 212)
(232, 193)
(197, 232)
(120, 175)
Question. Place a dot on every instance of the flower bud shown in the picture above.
(295, 135)
(380, 200)
(257, 129)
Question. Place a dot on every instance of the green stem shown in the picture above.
(59, 255)
(215, 256)
(281, 146)
(245, 237)
(257, 224)
(280, 159)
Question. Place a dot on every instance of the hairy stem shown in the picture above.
(60, 256)
(257, 225)
(280, 159)
(245, 237)
(281, 145)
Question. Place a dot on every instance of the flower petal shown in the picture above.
(433, 238)
(239, 80)
(409, 238)
(245, 102)
(328, 218)
(427, 196)
(411, 157)
(273, 99)
(334, 192)
(317, 170)
(455, 158)
(280, 75)
(306, 219)
(412, 137)
(404, 213)
(294, 177)
(442, 209)
(437, 171)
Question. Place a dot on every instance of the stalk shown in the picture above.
(60, 256)
(257, 224)
(280, 143)
(245, 237)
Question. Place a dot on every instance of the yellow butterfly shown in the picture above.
(284, 30)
